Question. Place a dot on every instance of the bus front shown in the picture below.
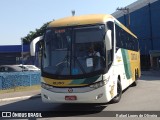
(74, 62)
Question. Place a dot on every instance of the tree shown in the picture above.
(33, 34)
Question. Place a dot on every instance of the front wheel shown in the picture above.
(117, 98)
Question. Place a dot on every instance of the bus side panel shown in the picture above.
(125, 67)
(119, 68)
(131, 64)
(134, 63)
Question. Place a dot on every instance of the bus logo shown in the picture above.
(70, 90)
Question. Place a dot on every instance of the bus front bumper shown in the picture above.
(99, 95)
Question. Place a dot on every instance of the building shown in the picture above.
(12, 54)
(142, 17)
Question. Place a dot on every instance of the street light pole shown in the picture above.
(73, 12)
(128, 13)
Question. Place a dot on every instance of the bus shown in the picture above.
(71, 74)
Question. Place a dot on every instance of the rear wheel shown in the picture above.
(136, 78)
(117, 98)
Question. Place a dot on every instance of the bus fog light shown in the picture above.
(45, 96)
(99, 96)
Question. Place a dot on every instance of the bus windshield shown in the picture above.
(74, 50)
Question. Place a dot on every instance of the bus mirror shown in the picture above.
(33, 45)
(108, 40)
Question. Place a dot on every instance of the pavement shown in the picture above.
(36, 93)
(20, 95)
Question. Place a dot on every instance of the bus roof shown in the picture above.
(80, 20)
(86, 20)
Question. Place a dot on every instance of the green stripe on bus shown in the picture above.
(77, 81)
(127, 66)
(85, 81)
(91, 80)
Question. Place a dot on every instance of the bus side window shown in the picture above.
(109, 54)
(118, 38)
(122, 39)
(136, 44)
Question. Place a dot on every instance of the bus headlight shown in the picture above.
(98, 84)
(45, 86)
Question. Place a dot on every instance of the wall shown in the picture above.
(144, 22)
(15, 79)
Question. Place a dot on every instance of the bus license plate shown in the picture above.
(70, 97)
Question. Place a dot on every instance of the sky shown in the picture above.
(19, 17)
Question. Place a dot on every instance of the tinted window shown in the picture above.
(125, 40)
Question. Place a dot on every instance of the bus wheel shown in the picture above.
(136, 78)
(117, 98)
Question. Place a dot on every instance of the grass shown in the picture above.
(20, 89)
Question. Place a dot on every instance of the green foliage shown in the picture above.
(33, 34)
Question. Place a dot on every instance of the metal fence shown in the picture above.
(9, 80)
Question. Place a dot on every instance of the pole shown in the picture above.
(128, 13)
(73, 12)
(128, 18)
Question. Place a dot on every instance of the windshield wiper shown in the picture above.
(81, 67)
(65, 60)
(61, 66)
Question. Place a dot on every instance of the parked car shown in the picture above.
(28, 67)
(10, 68)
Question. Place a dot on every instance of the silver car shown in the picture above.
(10, 68)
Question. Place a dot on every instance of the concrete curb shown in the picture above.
(20, 98)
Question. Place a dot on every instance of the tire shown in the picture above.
(117, 98)
(136, 78)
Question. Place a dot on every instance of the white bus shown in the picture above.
(88, 59)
